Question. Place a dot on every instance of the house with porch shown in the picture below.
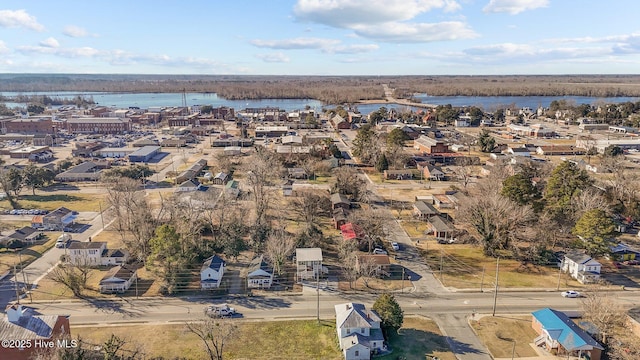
(57, 220)
(359, 331)
(308, 263)
(96, 254)
(440, 227)
(340, 201)
(624, 252)
(561, 336)
(423, 210)
(376, 265)
(211, 273)
(118, 279)
(581, 267)
(259, 274)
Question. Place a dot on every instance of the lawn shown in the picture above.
(76, 202)
(268, 340)
(499, 334)
(418, 337)
(463, 266)
(271, 340)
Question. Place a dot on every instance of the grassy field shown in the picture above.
(499, 334)
(271, 340)
(463, 265)
(45, 201)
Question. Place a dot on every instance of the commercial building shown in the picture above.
(144, 154)
(102, 125)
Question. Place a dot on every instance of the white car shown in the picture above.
(571, 294)
(222, 310)
(378, 251)
(395, 246)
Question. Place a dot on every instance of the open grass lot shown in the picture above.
(256, 340)
(499, 333)
(419, 337)
(463, 264)
(271, 340)
(48, 201)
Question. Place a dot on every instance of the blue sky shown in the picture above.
(321, 37)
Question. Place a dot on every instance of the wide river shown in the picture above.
(147, 100)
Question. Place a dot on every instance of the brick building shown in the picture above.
(98, 126)
(30, 126)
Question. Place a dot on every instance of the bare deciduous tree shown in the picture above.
(347, 252)
(464, 171)
(263, 169)
(601, 308)
(72, 276)
(309, 206)
(589, 199)
(367, 268)
(215, 333)
(278, 247)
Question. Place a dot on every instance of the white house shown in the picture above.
(211, 272)
(462, 121)
(581, 267)
(188, 185)
(259, 274)
(308, 263)
(358, 330)
(86, 253)
(96, 254)
(118, 279)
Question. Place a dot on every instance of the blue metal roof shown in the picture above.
(563, 329)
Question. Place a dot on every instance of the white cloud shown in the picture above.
(74, 31)
(50, 42)
(273, 58)
(514, 7)
(297, 43)
(345, 13)
(415, 33)
(385, 20)
(19, 18)
(352, 49)
(3, 48)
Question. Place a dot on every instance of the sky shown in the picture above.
(320, 37)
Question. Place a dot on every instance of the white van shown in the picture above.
(63, 240)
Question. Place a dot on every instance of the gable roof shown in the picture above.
(338, 198)
(28, 326)
(214, 262)
(87, 245)
(440, 224)
(122, 272)
(564, 330)
(24, 233)
(355, 315)
(578, 257)
(308, 254)
(351, 231)
(425, 208)
(258, 267)
(375, 259)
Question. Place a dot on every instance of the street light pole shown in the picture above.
(495, 294)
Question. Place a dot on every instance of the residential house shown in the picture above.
(518, 151)
(23, 324)
(339, 218)
(26, 234)
(429, 145)
(118, 279)
(95, 254)
(624, 252)
(297, 173)
(340, 123)
(405, 174)
(554, 150)
(561, 336)
(581, 267)
(378, 265)
(189, 185)
(433, 172)
(221, 178)
(340, 201)
(359, 331)
(211, 272)
(423, 210)
(444, 201)
(57, 220)
(259, 274)
(308, 263)
(440, 227)
(287, 188)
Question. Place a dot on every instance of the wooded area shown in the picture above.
(331, 89)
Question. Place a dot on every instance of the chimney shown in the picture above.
(348, 306)
(15, 312)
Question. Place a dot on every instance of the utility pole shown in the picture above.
(402, 289)
(482, 279)
(15, 281)
(495, 295)
(101, 218)
(441, 266)
(559, 275)
(318, 291)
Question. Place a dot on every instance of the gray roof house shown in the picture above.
(423, 210)
(118, 279)
(211, 272)
(358, 331)
(259, 273)
(581, 267)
